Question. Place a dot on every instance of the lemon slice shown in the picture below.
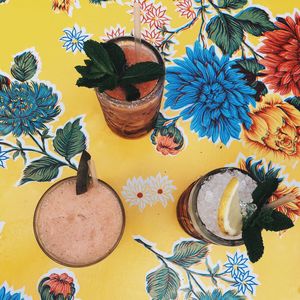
(229, 211)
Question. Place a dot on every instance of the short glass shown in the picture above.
(190, 201)
(136, 118)
(78, 230)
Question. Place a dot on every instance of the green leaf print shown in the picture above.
(163, 284)
(226, 32)
(234, 4)
(255, 21)
(70, 140)
(187, 253)
(24, 67)
(42, 169)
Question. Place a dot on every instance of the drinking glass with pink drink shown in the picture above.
(130, 118)
(79, 230)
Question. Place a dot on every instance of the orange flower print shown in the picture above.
(275, 128)
(291, 209)
(56, 285)
(166, 145)
(64, 5)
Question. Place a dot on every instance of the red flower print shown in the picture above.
(153, 36)
(145, 6)
(113, 33)
(282, 56)
(156, 16)
(59, 284)
(185, 8)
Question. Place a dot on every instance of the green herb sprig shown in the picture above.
(107, 68)
(263, 218)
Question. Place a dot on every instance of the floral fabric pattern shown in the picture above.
(7, 293)
(211, 93)
(74, 39)
(282, 58)
(232, 87)
(58, 285)
(178, 275)
(27, 106)
(275, 128)
(141, 192)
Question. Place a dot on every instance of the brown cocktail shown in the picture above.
(133, 119)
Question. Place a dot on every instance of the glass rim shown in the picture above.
(193, 204)
(159, 84)
(70, 264)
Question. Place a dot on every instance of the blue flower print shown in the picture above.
(74, 39)
(3, 157)
(211, 93)
(236, 265)
(4, 295)
(245, 282)
(26, 107)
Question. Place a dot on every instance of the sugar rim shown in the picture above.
(55, 258)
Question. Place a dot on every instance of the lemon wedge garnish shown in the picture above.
(229, 211)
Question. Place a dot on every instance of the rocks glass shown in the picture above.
(197, 207)
(136, 118)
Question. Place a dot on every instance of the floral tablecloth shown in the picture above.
(232, 99)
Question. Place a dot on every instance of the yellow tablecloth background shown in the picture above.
(32, 23)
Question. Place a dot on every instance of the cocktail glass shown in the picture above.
(132, 119)
(197, 207)
(79, 230)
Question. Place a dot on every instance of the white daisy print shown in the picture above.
(161, 189)
(136, 193)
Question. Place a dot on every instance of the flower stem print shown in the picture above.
(27, 106)
(166, 136)
(166, 283)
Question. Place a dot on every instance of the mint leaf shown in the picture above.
(279, 222)
(253, 242)
(90, 72)
(132, 93)
(97, 53)
(108, 82)
(142, 72)
(116, 55)
(264, 191)
(255, 21)
(263, 218)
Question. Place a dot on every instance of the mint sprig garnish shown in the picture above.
(263, 218)
(107, 69)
